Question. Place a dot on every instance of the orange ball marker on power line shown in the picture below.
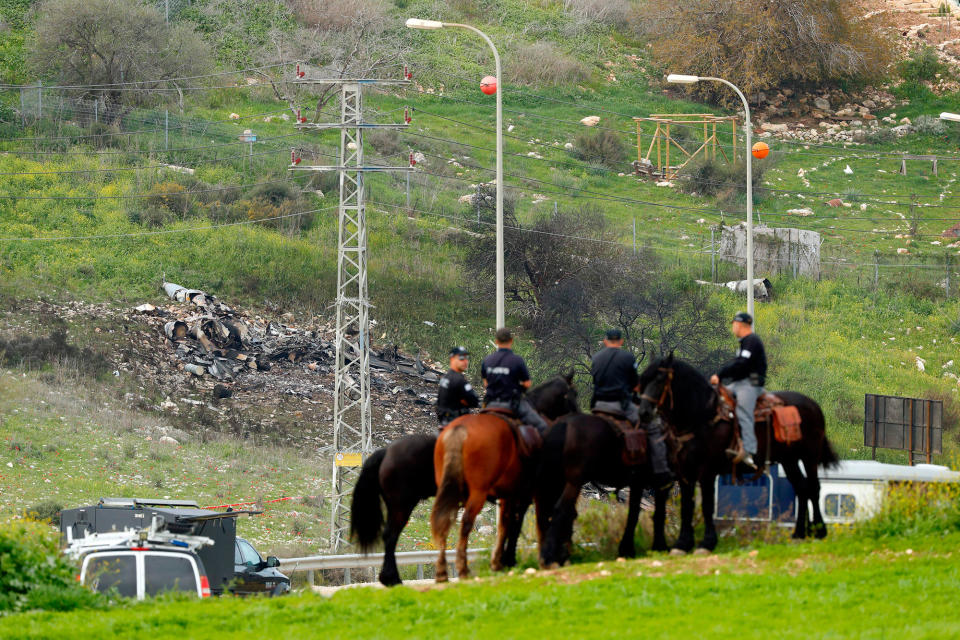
(488, 85)
(761, 150)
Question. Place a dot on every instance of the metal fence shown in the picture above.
(346, 562)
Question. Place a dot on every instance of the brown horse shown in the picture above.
(400, 475)
(689, 406)
(478, 457)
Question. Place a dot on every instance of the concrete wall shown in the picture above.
(793, 251)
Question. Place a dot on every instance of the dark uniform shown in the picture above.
(745, 376)
(504, 371)
(455, 397)
(614, 372)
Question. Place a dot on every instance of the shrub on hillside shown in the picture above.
(916, 509)
(172, 196)
(722, 180)
(760, 46)
(386, 141)
(543, 65)
(600, 147)
(35, 574)
(337, 15)
(921, 65)
(611, 13)
(930, 125)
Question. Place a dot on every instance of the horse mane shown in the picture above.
(694, 398)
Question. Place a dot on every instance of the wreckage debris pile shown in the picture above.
(211, 338)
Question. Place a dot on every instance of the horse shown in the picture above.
(480, 457)
(402, 474)
(689, 406)
(579, 449)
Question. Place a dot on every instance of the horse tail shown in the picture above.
(366, 512)
(827, 456)
(450, 490)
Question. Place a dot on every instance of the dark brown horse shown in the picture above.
(402, 474)
(579, 449)
(688, 404)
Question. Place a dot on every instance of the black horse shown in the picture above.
(689, 404)
(579, 449)
(402, 474)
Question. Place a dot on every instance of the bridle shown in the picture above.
(667, 389)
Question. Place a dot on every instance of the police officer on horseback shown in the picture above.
(506, 378)
(615, 378)
(745, 376)
(455, 395)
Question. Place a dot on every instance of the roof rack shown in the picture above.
(154, 536)
(145, 502)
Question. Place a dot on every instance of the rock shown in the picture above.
(821, 103)
(568, 146)
(902, 130)
(905, 120)
(774, 128)
(590, 121)
(222, 391)
(869, 104)
(168, 440)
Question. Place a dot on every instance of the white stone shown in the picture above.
(168, 440)
(590, 121)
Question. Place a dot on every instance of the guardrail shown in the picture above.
(373, 560)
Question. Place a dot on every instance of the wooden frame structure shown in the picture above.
(662, 140)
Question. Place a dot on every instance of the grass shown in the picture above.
(844, 587)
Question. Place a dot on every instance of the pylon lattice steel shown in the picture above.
(351, 400)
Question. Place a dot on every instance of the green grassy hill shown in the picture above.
(97, 213)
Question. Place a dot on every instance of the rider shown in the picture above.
(745, 376)
(505, 378)
(455, 396)
(614, 372)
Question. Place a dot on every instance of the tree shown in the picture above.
(765, 45)
(116, 51)
(570, 278)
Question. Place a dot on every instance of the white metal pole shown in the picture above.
(501, 320)
(748, 152)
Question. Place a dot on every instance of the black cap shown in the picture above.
(743, 317)
(614, 334)
(459, 351)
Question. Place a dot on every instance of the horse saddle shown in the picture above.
(528, 438)
(634, 438)
(770, 410)
(785, 418)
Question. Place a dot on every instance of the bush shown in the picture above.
(922, 65)
(276, 193)
(172, 196)
(386, 142)
(543, 65)
(723, 180)
(47, 511)
(337, 15)
(916, 509)
(35, 574)
(600, 147)
(610, 13)
(760, 46)
(929, 125)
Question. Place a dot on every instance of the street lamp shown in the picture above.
(416, 23)
(683, 79)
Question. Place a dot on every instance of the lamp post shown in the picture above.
(416, 23)
(683, 79)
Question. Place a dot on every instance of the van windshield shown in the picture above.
(168, 572)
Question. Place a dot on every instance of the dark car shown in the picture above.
(253, 575)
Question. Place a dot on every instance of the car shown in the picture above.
(254, 575)
(141, 563)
